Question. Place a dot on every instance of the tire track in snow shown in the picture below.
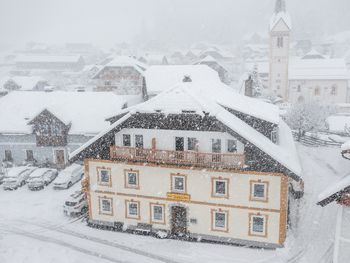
(139, 252)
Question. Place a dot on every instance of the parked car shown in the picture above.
(41, 177)
(69, 176)
(17, 176)
(76, 204)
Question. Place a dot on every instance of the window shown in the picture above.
(280, 42)
(178, 183)
(108, 83)
(56, 129)
(157, 213)
(334, 90)
(104, 176)
(8, 156)
(126, 140)
(231, 146)
(191, 144)
(132, 209)
(179, 144)
(274, 135)
(131, 178)
(299, 88)
(220, 187)
(105, 206)
(257, 225)
(216, 145)
(139, 141)
(259, 191)
(219, 220)
(317, 91)
(29, 155)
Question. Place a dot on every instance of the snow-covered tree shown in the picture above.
(253, 84)
(307, 117)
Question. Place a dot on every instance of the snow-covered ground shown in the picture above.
(33, 228)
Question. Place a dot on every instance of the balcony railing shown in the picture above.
(190, 158)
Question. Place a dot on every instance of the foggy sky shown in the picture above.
(106, 22)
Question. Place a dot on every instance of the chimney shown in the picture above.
(187, 78)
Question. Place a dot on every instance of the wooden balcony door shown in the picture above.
(216, 148)
(179, 147)
(178, 221)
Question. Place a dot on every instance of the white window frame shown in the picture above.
(257, 198)
(173, 178)
(99, 171)
(132, 216)
(153, 219)
(106, 212)
(251, 229)
(219, 228)
(215, 193)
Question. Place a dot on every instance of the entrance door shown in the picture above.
(59, 158)
(178, 220)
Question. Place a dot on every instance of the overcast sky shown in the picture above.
(174, 21)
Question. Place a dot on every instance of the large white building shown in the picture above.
(307, 79)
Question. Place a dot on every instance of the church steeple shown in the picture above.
(280, 6)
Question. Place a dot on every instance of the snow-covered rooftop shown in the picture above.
(86, 111)
(161, 77)
(124, 61)
(194, 97)
(316, 69)
(47, 59)
(335, 188)
(346, 146)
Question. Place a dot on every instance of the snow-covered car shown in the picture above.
(17, 176)
(41, 177)
(76, 204)
(69, 176)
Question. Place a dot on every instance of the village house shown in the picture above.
(339, 192)
(224, 73)
(43, 127)
(123, 75)
(197, 161)
(160, 77)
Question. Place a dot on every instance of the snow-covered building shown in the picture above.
(197, 160)
(44, 127)
(340, 192)
(49, 62)
(159, 78)
(315, 78)
(123, 75)
(307, 79)
(224, 73)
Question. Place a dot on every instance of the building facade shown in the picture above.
(192, 170)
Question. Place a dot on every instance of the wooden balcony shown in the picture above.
(186, 158)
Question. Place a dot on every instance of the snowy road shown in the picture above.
(33, 229)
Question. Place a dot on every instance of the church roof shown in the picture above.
(280, 14)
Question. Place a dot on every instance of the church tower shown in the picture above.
(280, 29)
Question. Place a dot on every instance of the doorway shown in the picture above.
(178, 221)
(60, 158)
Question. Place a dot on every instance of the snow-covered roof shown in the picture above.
(346, 146)
(161, 77)
(124, 61)
(331, 191)
(338, 122)
(85, 111)
(192, 97)
(276, 17)
(25, 82)
(316, 69)
(313, 54)
(47, 59)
